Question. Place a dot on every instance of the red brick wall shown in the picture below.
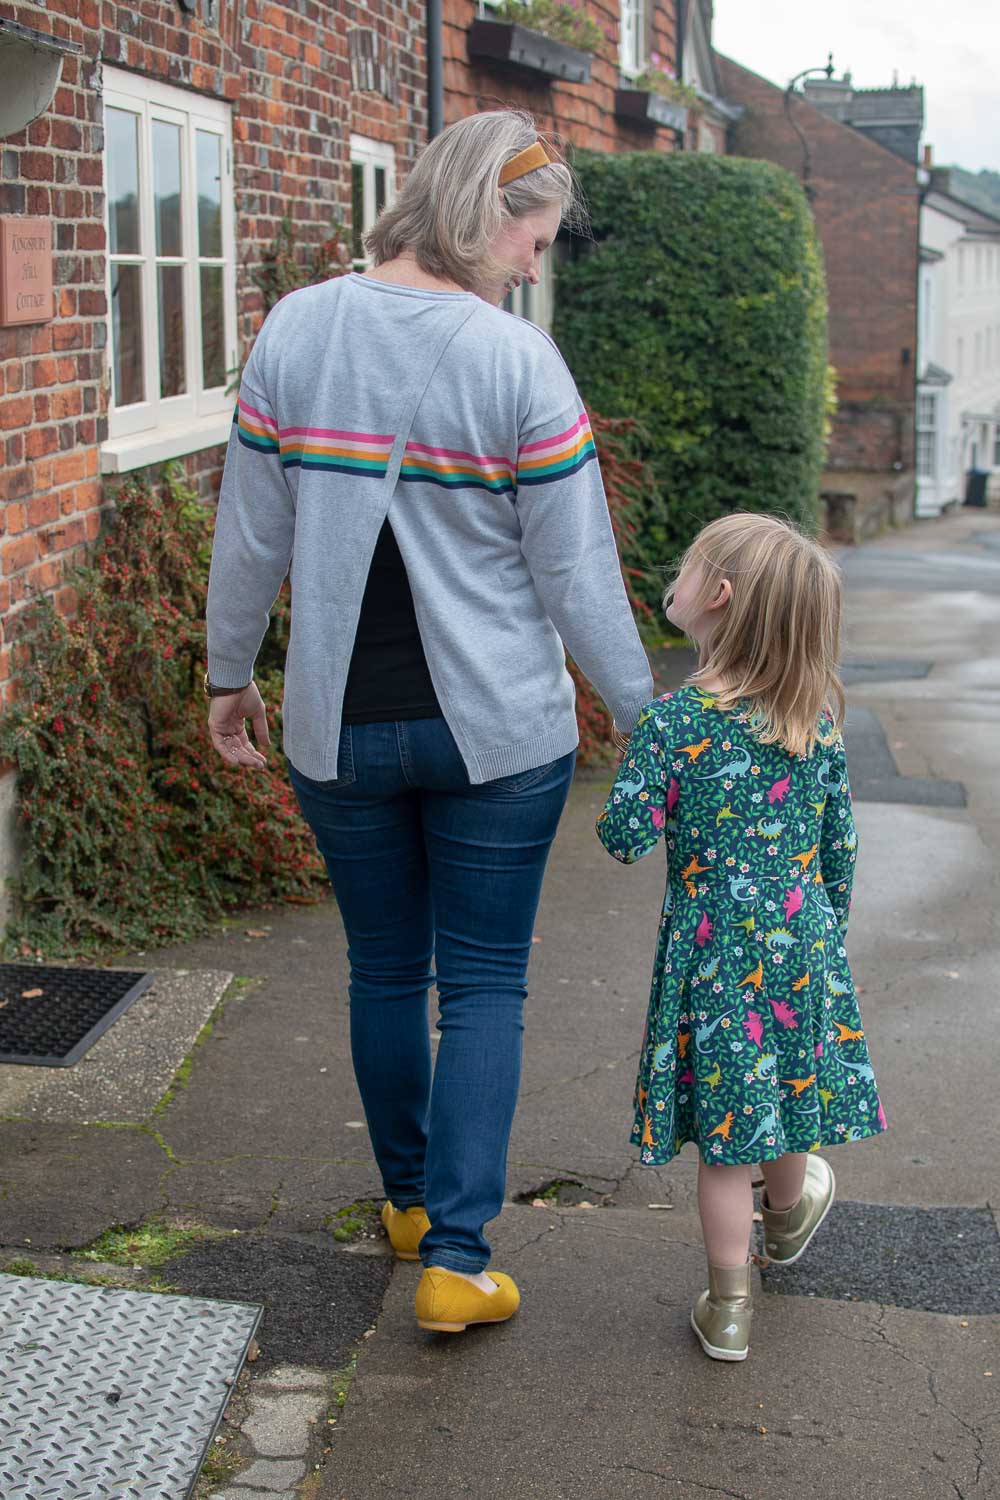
(867, 209)
(285, 70)
(581, 113)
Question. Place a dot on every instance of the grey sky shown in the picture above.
(953, 49)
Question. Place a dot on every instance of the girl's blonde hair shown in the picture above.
(452, 206)
(778, 641)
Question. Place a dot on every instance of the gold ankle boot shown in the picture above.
(787, 1232)
(721, 1316)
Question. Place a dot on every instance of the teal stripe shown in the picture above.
(331, 461)
(454, 481)
(263, 445)
(587, 451)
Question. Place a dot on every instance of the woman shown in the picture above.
(422, 463)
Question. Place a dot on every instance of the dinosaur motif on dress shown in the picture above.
(754, 1042)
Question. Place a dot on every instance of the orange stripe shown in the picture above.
(557, 457)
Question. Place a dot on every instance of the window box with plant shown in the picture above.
(656, 97)
(551, 37)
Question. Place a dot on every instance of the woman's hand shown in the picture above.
(227, 718)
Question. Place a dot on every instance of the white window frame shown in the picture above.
(157, 428)
(369, 154)
(927, 436)
(632, 37)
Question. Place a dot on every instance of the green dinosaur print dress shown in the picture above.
(753, 1043)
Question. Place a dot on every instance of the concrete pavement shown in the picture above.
(597, 1388)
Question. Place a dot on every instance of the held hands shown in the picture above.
(227, 725)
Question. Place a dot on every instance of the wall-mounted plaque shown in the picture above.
(25, 270)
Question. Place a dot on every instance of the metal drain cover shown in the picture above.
(111, 1395)
(54, 1028)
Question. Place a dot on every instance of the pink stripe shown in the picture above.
(385, 438)
(262, 417)
(472, 458)
(581, 425)
(331, 443)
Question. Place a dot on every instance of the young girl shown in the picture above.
(754, 1046)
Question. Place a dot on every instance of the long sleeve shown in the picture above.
(839, 839)
(569, 546)
(253, 539)
(638, 806)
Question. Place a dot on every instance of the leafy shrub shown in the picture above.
(135, 833)
(699, 310)
(626, 483)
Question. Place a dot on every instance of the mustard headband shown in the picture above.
(525, 161)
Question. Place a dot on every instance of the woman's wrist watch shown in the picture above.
(211, 691)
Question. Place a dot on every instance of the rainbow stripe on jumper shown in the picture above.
(456, 470)
(338, 451)
(557, 457)
(366, 454)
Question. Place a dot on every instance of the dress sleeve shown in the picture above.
(254, 530)
(642, 799)
(838, 840)
(568, 543)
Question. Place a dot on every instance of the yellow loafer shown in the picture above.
(405, 1227)
(448, 1304)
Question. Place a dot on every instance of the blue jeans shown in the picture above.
(426, 867)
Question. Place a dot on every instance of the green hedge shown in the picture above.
(699, 309)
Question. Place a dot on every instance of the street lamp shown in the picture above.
(827, 72)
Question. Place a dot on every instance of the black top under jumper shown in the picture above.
(388, 677)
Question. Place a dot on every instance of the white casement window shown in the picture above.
(927, 436)
(632, 36)
(373, 186)
(535, 303)
(171, 270)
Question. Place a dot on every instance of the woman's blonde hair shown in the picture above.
(777, 644)
(452, 206)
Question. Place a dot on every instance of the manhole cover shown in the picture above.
(111, 1395)
(50, 1016)
(942, 1260)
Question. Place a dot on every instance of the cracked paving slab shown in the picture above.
(606, 1392)
(61, 1186)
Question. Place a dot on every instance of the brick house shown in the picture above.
(862, 150)
(177, 137)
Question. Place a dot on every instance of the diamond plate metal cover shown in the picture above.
(111, 1395)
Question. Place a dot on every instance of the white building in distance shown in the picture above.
(958, 349)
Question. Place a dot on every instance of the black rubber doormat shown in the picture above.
(50, 1016)
(942, 1260)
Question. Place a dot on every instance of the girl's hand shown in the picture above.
(227, 725)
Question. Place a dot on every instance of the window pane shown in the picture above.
(167, 187)
(209, 154)
(213, 331)
(123, 180)
(925, 455)
(170, 281)
(357, 210)
(126, 330)
(379, 190)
